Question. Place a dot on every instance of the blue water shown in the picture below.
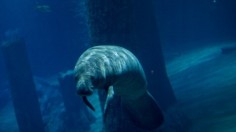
(56, 35)
(51, 37)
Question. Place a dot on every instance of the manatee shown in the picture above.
(106, 66)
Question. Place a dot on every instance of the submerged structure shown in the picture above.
(123, 23)
(23, 92)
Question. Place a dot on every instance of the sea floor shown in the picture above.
(204, 81)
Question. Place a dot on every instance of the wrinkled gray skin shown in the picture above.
(102, 66)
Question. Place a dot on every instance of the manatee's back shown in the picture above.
(120, 66)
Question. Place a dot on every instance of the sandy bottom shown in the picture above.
(204, 82)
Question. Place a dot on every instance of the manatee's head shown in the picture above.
(88, 77)
(84, 88)
(84, 82)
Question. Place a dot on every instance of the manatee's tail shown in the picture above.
(145, 112)
(88, 103)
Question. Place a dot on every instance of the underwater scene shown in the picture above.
(118, 66)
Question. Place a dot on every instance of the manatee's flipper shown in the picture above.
(85, 99)
(144, 112)
(110, 94)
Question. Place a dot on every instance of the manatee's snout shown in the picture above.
(84, 89)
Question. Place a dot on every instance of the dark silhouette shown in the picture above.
(23, 90)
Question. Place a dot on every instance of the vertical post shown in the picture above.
(23, 90)
(132, 24)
